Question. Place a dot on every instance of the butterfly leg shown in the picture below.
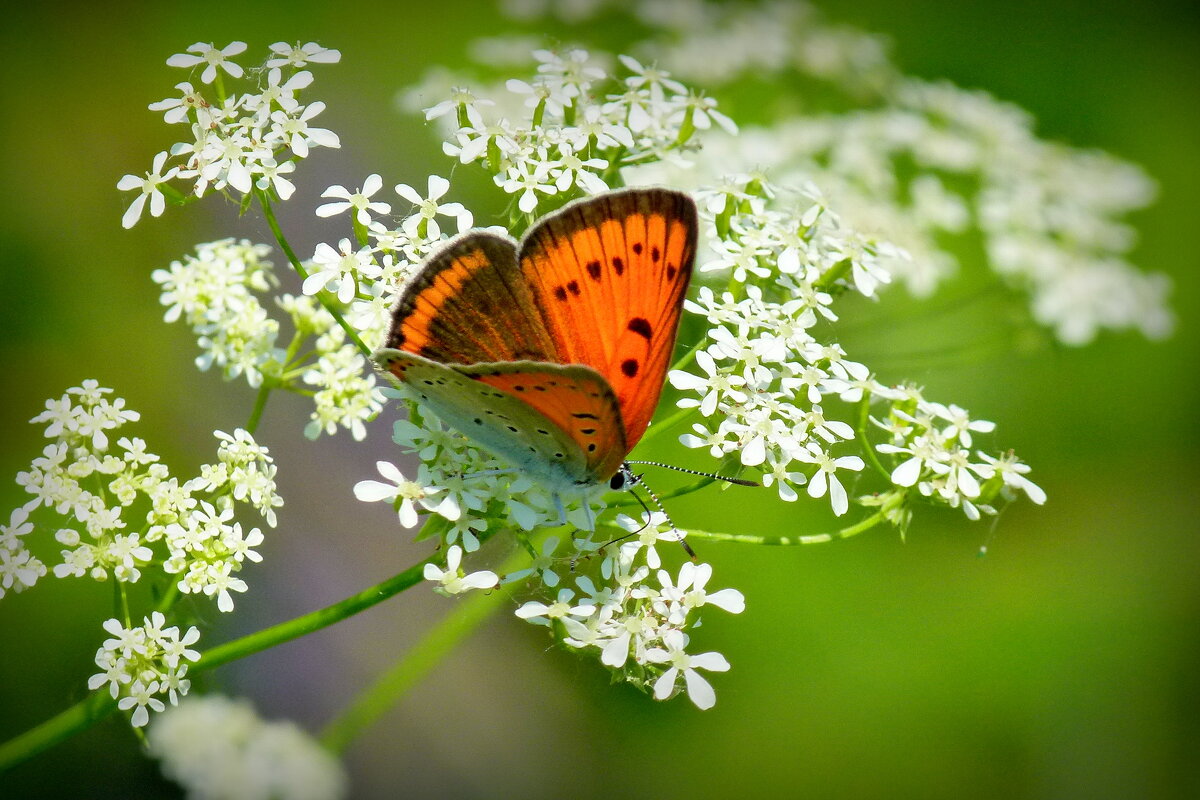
(489, 472)
(588, 515)
(562, 510)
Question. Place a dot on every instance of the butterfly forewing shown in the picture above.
(471, 304)
(610, 274)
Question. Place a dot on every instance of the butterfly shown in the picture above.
(551, 352)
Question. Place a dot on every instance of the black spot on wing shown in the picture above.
(641, 326)
(593, 269)
(629, 367)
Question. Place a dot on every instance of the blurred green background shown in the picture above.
(1064, 664)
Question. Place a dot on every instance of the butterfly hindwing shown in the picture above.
(498, 420)
(561, 423)
(609, 274)
(576, 399)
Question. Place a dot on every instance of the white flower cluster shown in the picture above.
(213, 292)
(463, 485)
(932, 443)
(344, 391)
(716, 43)
(122, 504)
(929, 166)
(239, 142)
(1049, 216)
(218, 748)
(19, 568)
(142, 663)
(573, 126)
(78, 478)
(764, 381)
(367, 278)
(206, 546)
(630, 612)
(635, 620)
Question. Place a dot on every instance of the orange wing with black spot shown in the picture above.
(610, 274)
(599, 284)
(471, 304)
(580, 402)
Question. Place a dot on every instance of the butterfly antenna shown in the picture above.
(637, 479)
(713, 475)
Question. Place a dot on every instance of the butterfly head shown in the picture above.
(623, 479)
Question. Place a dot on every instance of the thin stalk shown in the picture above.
(64, 725)
(322, 297)
(416, 663)
(860, 433)
(664, 425)
(313, 621)
(260, 404)
(815, 538)
(99, 705)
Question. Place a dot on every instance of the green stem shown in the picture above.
(99, 705)
(860, 433)
(78, 717)
(816, 538)
(260, 404)
(416, 663)
(322, 297)
(674, 419)
(313, 621)
(831, 276)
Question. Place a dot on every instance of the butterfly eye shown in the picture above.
(617, 481)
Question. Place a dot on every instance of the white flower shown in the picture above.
(271, 176)
(826, 477)
(428, 208)
(143, 661)
(340, 269)
(452, 580)
(459, 98)
(177, 108)
(698, 689)
(297, 55)
(529, 180)
(149, 186)
(542, 613)
(688, 593)
(19, 569)
(652, 528)
(206, 53)
(408, 493)
(295, 132)
(359, 201)
(718, 386)
(1012, 472)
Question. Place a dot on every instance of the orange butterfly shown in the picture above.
(551, 353)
